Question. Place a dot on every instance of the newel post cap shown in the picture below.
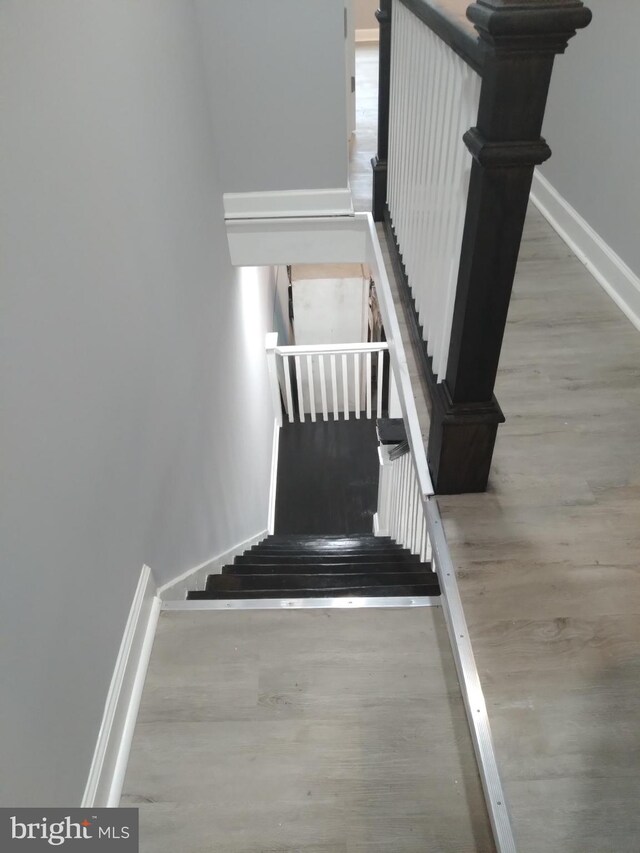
(544, 25)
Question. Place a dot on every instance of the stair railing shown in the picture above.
(329, 380)
(408, 489)
(462, 94)
(400, 514)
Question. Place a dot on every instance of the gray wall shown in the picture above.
(593, 126)
(278, 85)
(136, 419)
(364, 13)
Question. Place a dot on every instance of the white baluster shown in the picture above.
(356, 382)
(416, 514)
(312, 393)
(434, 97)
(407, 500)
(395, 499)
(323, 388)
(299, 387)
(369, 389)
(380, 378)
(345, 386)
(423, 543)
(334, 386)
(412, 508)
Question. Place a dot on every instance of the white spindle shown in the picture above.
(400, 509)
(323, 388)
(312, 393)
(407, 502)
(312, 380)
(396, 500)
(410, 505)
(369, 389)
(334, 386)
(400, 501)
(345, 387)
(415, 513)
(380, 379)
(423, 540)
(299, 387)
(434, 97)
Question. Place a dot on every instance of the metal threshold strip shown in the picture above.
(469, 681)
(344, 603)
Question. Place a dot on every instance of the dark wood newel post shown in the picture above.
(520, 39)
(379, 162)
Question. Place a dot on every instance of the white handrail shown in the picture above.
(398, 358)
(312, 349)
(435, 544)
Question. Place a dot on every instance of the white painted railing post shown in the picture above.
(271, 342)
(395, 409)
(381, 518)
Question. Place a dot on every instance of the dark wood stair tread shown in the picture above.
(344, 557)
(307, 566)
(339, 592)
(319, 581)
(346, 567)
(335, 540)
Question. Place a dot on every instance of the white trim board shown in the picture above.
(106, 775)
(368, 34)
(196, 578)
(608, 268)
(342, 603)
(302, 240)
(288, 203)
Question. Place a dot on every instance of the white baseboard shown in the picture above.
(273, 484)
(608, 268)
(288, 203)
(372, 34)
(111, 753)
(196, 578)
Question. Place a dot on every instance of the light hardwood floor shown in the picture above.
(309, 731)
(548, 559)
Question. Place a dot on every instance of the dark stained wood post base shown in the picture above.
(461, 442)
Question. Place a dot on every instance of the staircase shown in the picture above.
(295, 566)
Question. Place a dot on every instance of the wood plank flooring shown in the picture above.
(548, 559)
(325, 731)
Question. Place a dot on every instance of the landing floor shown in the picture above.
(308, 731)
(327, 477)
